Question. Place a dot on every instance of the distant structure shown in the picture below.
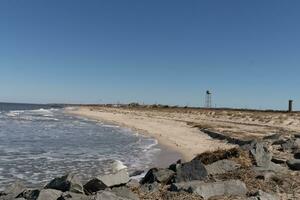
(208, 99)
(290, 106)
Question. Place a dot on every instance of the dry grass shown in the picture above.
(210, 157)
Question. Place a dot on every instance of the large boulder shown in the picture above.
(208, 190)
(221, 167)
(13, 191)
(49, 194)
(69, 182)
(124, 192)
(294, 164)
(162, 176)
(118, 178)
(193, 170)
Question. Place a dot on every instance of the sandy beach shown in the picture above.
(175, 128)
(171, 133)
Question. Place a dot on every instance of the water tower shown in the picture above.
(208, 99)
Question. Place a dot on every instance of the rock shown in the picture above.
(261, 155)
(119, 178)
(94, 186)
(279, 142)
(69, 182)
(193, 170)
(136, 173)
(133, 183)
(261, 195)
(291, 144)
(221, 167)
(150, 187)
(107, 195)
(158, 175)
(294, 164)
(49, 194)
(208, 190)
(29, 194)
(110, 180)
(125, 192)
(13, 191)
(73, 196)
(271, 167)
(278, 160)
(297, 155)
(274, 136)
(265, 175)
(297, 135)
(297, 143)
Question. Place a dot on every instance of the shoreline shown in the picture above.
(164, 158)
(180, 140)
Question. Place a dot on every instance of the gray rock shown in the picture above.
(271, 167)
(261, 155)
(278, 142)
(29, 194)
(119, 178)
(221, 167)
(69, 182)
(15, 189)
(158, 175)
(291, 144)
(136, 173)
(261, 195)
(274, 136)
(110, 180)
(125, 192)
(12, 191)
(208, 190)
(73, 196)
(265, 175)
(49, 194)
(133, 183)
(294, 164)
(193, 170)
(297, 143)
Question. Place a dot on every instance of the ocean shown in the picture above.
(39, 143)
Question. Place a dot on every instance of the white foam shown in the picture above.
(118, 165)
(110, 126)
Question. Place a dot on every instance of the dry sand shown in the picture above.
(174, 128)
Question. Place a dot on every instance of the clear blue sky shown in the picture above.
(246, 52)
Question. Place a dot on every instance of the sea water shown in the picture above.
(38, 143)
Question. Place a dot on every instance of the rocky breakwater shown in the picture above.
(246, 172)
